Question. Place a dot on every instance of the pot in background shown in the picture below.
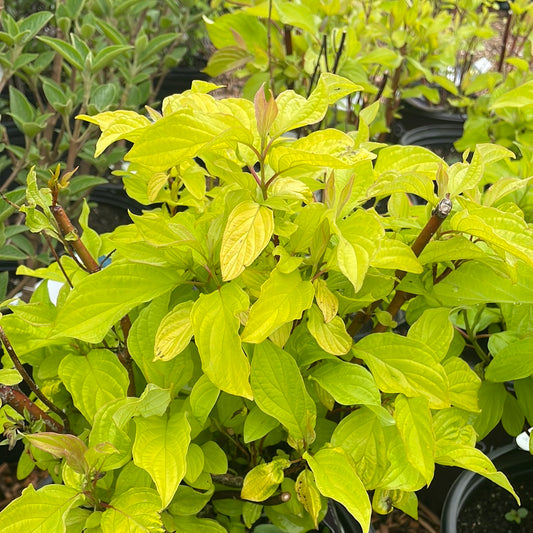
(438, 138)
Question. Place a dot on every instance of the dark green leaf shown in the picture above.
(66, 50)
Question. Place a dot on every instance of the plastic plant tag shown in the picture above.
(523, 440)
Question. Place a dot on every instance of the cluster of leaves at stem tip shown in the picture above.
(215, 373)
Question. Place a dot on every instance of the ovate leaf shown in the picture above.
(473, 459)
(348, 383)
(284, 297)
(136, 510)
(401, 364)
(336, 478)
(160, 448)
(99, 300)
(216, 326)
(503, 230)
(330, 336)
(263, 480)
(93, 380)
(435, 330)
(258, 424)
(279, 391)
(353, 261)
(247, 232)
(203, 398)
(40, 511)
(361, 434)
(413, 420)
(464, 384)
(515, 361)
(174, 332)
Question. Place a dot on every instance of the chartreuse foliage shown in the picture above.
(240, 318)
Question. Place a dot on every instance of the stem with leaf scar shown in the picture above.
(33, 386)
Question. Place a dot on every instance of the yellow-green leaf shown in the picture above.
(330, 336)
(348, 383)
(413, 420)
(100, 299)
(336, 478)
(402, 364)
(136, 510)
(280, 392)
(435, 329)
(506, 231)
(160, 448)
(41, 511)
(394, 254)
(216, 331)
(464, 384)
(174, 332)
(284, 297)
(247, 232)
(116, 125)
(353, 262)
(93, 380)
(263, 480)
(308, 494)
(326, 300)
(473, 459)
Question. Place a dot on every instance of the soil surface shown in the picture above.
(11, 487)
(486, 509)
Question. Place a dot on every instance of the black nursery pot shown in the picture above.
(438, 138)
(418, 112)
(476, 505)
(112, 206)
(337, 520)
(178, 80)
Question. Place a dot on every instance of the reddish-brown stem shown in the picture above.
(441, 211)
(124, 355)
(29, 381)
(66, 227)
(22, 404)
